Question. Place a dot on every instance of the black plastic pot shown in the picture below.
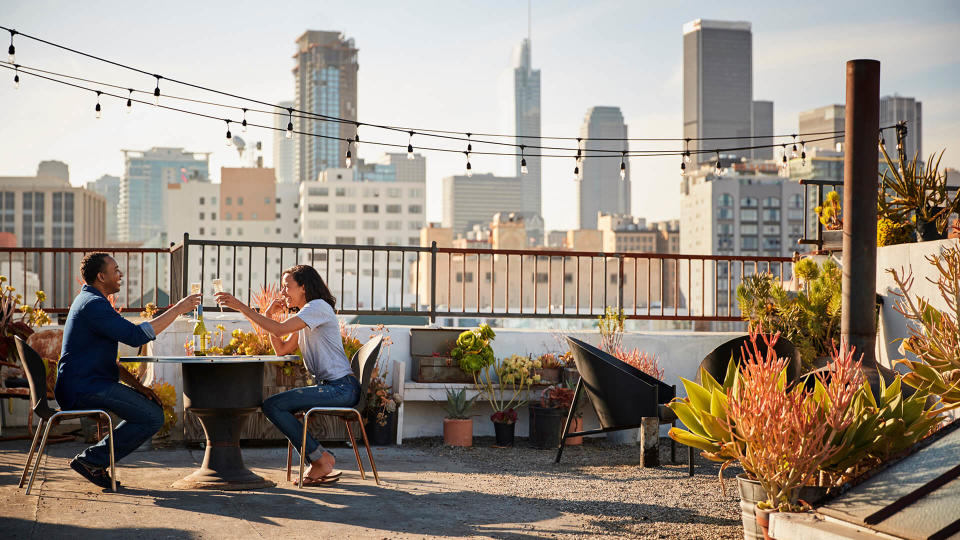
(716, 362)
(927, 230)
(504, 433)
(546, 426)
(381, 435)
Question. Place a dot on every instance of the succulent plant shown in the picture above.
(457, 403)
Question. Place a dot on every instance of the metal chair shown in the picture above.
(33, 369)
(363, 362)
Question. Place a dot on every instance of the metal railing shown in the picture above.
(430, 281)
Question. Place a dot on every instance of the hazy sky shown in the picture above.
(441, 65)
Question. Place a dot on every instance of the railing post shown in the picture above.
(620, 282)
(433, 283)
(185, 266)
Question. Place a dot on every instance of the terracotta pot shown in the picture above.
(576, 425)
(458, 431)
(763, 521)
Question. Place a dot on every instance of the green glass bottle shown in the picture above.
(199, 335)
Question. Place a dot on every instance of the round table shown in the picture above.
(222, 391)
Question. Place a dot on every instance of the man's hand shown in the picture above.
(187, 304)
(226, 299)
(151, 395)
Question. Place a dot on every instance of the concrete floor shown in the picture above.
(417, 497)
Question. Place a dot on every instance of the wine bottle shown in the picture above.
(199, 335)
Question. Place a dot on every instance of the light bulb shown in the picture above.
(523, 166)
(229, 135)
(156, 92)
(129, 100)
(683, 168)
(16, 80)
(289, 130)
(244, 123)
(409, 151)
(469, 170)
(686, 157)
(623, 168)
(98, 106)
(11, 51)
(349, 159)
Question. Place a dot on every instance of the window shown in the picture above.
(278, 230)
(213, 216)
(239, 215)
(748, 242)
(316, 192)
(748, 202)
(771, 214)
(748, 215)
(341, 192)
(253, 215)
(415, 225)
(568, 278)
(240, 231)
(796, 200)
(415, 209)
(542, 277)
(277, 216)
(201, 200)
(725, 242)
(795, 214)
(770, 202)
(345, 208)
(725, 199)
(228, 215)
(394, 193)
(213, 200)
(277, 200)
(394, 208)
(201, 231)
(318, 208)
(239, 201)
(725, 213)
(229, 231)
(416, 193)
(371, 209)
(266, 200)
(725, 228)
(771, 243)
(394, 225)
(371, 224)
(345, 224)
(748, 229)
(413, 241)
(771, 229)
(229, 201)
(318, 224)
(460, 277)
(202, 215)
(345, 240)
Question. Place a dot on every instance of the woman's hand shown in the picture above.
(225, 299)
(275, 307)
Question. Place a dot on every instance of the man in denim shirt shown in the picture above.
(88, 376)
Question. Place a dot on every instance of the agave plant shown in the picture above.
(457, 403)
(915, 191)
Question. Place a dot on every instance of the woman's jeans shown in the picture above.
(279, 408)
(141, 419)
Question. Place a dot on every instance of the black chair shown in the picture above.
(621, 394)
(717, 360)
(363, 362)
(36, 378)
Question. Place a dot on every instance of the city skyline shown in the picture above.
(623, 55)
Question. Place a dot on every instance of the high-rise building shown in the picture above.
(762, 121)
(109, 187)
(469, 201)
(284, 150)
(326, 84)
(600, 187)
(717, 85)
(526, 107)
(894, 109)
(146, 174)
(829, 118)
(45, 211)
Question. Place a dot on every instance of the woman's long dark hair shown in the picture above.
(307, 277)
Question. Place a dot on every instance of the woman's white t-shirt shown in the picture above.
(320, 342)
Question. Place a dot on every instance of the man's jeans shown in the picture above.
(141, 419)
(279, 408)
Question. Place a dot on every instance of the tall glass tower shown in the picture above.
(326, 84)
(526, 100)
(601, 189)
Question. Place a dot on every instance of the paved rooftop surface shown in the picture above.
(426, 490)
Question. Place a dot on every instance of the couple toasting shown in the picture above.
(89, 375)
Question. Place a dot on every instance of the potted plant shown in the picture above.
(457, 426)
(504, 384)
(550, 368)
(830, 216)
(382, 405)
(912, 192)
(548, 416)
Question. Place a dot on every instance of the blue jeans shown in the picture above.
(141, 419)
(279, 408)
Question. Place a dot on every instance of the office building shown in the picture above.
(109, 187)
(762, 121)
(717, 85)
(326, 84)
(140, 214)
(469, 201)
(284, 150)
(526, 107)
(895, 109)
(601, 188)
(830, 118)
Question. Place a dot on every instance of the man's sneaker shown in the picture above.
(98, 477)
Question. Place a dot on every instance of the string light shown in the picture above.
(469, 167)
(410, 147)
(803, 153)
(229, 135)
(244, 123)
(794, 154)
(98, 105)
(623, 166)
(576, 166)
(129, 100)
(469, 144)
(349, 156)
(289, 123)
(523, 161)
(12, 51)
(718, 163)
(686, 152)
(356, 137)
(784, 156)
(16, 77)
(156, 91)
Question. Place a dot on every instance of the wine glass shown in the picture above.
(218, 288)
(196, 288)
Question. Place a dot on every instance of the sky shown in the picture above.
(442, 65)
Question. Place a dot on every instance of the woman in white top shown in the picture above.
(315, 329)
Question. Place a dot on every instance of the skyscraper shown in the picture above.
(109, 187)
(762, 121)
(895, 109)
(526, 106)
(326, 84)
(145, 178)
(822, 120)
(284, 151)
(600, 188)
(717, 84)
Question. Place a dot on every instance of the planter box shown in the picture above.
(832, 240)
(438, 369)
(548, 375)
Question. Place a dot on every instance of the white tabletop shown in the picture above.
(238, 359)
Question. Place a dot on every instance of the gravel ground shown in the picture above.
(603, 485)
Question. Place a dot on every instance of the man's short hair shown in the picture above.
(91, 265)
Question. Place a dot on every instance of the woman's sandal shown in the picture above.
(331, 478)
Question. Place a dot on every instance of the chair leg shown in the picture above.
(366, 443)
(356, 451)
(43, 444)
(33, 446)
(113, 468)
(289, 458)
(303, 448)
